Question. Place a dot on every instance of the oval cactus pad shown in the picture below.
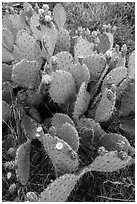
(23, 162)
(59, 15)
(59, 119)
(63, 158)
(25, 73)
(106, 106)
(60, 189)
(109, 162)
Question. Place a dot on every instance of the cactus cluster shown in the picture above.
(66, 87)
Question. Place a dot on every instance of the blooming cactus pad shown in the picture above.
(62, 86)
(23, 162)
(25, 73)
(69, 134)
(64, 159)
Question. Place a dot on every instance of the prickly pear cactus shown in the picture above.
(110, 35)
(62, 87)
(82, 101)
(26, 47)
(5, 111)
(128, 100)
(63, 41)
(31, 127)
(80, 73)
(23, 162)
(113, 141)
(7, 92)
(69, 134)
(59, 15)
(64, 60)
(106, 105)
(7, 23)
(95, 63)
(40, 29)
(63, 158)
(115, 76)
(104, 43)
(109, 162)
(82, 48)
(118, 58)
(131, 66)
(7, 39)
(16, 21)
(25, 73)
(59, 119)
(63, 38)
(6, 72)
(7, 56)
(91, 124)
(60, 189)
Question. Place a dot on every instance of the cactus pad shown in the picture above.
(59, 15)
(63, 41)
(7, 56)
(106, 106)
(82, 101)
(65, 60)
(83, 48)
(23, 162)
(62, 86)
(109, 162)
(5, 111)
(27, 47)
(6, 72)
(59, 119)
(95, 63)
(104, 43)
(80, 73)
(128, 101)
(69, 134)
(115, 76)
(60, 189)
(7, 39)
(25, 73)
(63, 158)
(113, 141)
(131, 66)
